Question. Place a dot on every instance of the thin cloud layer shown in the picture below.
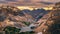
(29, 2)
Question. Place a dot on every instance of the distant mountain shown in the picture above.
(36, 14)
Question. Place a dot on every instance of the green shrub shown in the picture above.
(11, 30)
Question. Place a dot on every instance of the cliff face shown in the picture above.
(12, 16)
(47, 27)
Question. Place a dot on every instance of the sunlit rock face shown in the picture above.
(52, 23)
(54, 29)
(12, 16)
(4, 15)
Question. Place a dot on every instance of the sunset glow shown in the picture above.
(23, 7)
(31, 8)
(48, 8)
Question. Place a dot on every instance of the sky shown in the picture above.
(38, 3)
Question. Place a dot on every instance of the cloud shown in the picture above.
(11, 0)
(33, 1)
(47, 3)
(2, 0)
(29, 2)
